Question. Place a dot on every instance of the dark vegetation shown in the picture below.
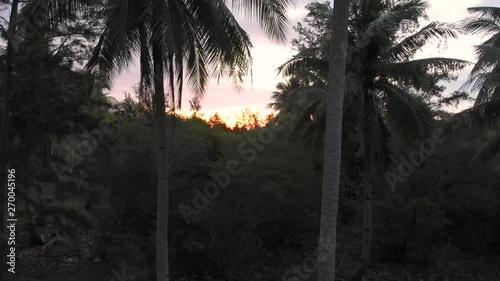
(86, 164)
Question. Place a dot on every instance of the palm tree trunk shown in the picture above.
(333, 142)
(369, 119)
(4, 131)
(162, 270)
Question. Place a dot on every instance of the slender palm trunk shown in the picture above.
(4, 131)
(369, 121)
(162, 270)
(333, 142)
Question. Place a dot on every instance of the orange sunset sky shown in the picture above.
(267, 56)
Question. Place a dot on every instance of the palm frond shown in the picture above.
(480, 118)
(299, 63)
(414, 72)
(299, 100)
(120, 40)
(484, 81)
(492, 13)
(408, 47)
(280, 97)
(485, 75)
(489, 88)
(196, 66)
(226, 46)
(309, 124)
(385, 26)
(489, 57)
(271, 15)
(408, 114)
(56, 10)
(481, 26)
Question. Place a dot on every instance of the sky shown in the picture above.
(255, 94)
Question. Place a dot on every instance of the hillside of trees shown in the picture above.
(130, 190)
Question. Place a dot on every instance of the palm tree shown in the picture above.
(285, 92)
(197, 34)
(281, 93)
(385, 78)
(175, 38)
(333, 138)
(485, 76)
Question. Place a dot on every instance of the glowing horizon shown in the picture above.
(230, 116)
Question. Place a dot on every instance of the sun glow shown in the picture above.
(232, 117)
